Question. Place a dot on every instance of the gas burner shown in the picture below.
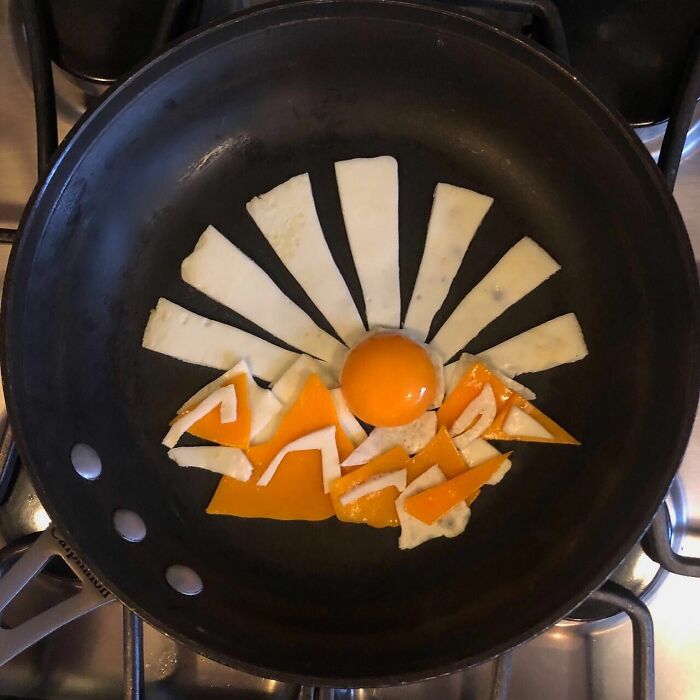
(637, 573)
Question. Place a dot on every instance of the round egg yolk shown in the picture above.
(388, 380)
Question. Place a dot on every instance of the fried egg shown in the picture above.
(377, 431)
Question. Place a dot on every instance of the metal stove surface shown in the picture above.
(572, 661)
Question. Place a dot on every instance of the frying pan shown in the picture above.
(228, 113)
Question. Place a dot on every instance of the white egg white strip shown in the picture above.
(413, 437)
(350, 425)
(484, 407)
(172, 330)
(287, 218)
(323, 440)
(369, 196)
(523, 268)
(229, 461)
(225, 397)
(288, 387)
(454, 219)
(543, 347)
(414, 531)
(376, 483)
(455, 371)
(217, 268)
(263, 404)
(520, 424)
(477, 451)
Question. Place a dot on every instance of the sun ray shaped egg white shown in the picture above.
(173, 330)
(523, 268)
(369, 197)
(287, 217)
(217, 268)
(543, 347)
(456, 215)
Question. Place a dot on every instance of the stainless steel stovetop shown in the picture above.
(572, 661)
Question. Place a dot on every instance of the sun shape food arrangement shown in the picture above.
(297, 448)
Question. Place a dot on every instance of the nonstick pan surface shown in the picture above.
(233, 111)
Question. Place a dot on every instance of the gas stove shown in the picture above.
(590, 655)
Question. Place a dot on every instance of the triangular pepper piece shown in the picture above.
(441, 451)
(296, 490)
(497, 431)
(377, 509)
(234, 434)
(470, 386)
(431, 504)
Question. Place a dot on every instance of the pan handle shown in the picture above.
(93, 594)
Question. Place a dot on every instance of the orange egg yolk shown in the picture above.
(388, 380)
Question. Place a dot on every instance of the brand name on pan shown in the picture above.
(71, 556)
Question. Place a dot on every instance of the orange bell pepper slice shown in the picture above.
(441, 451)
(377, 509)
(469, 387)
(234, 434)
(431, 504)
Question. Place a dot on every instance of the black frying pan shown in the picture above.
(239, 108)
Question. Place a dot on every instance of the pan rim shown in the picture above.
(148, 72)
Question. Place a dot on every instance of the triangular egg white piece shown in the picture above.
(520, 424)
(413, 437)
(228, 461)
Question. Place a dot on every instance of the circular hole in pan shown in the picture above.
(85, 461)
